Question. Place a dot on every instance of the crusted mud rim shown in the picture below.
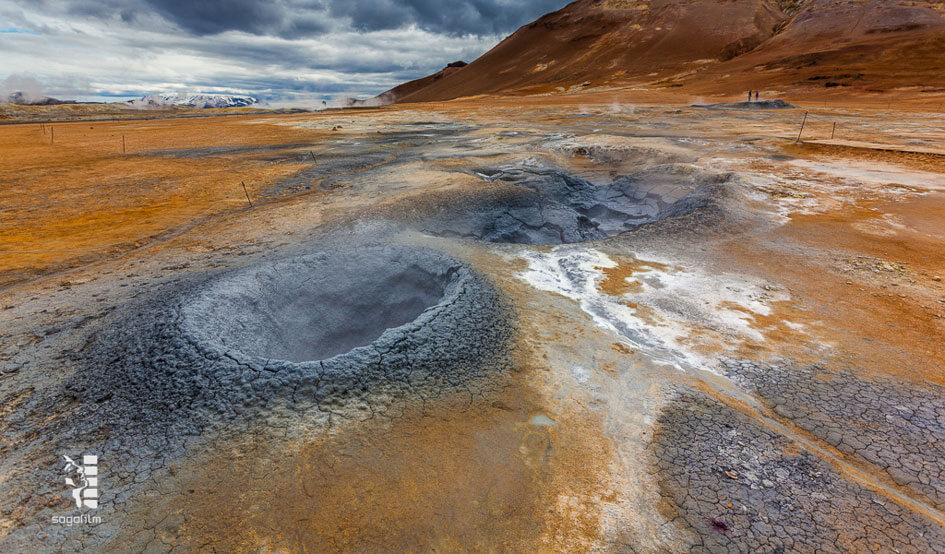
(151, 368)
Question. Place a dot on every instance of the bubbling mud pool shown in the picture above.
(542, 206)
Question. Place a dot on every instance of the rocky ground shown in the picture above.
(537, 324)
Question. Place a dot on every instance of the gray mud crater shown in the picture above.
(368, 327)
(315, 307)
(527, 205)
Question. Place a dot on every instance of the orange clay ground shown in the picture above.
(76, 198)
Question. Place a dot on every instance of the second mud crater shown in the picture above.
(527, 205)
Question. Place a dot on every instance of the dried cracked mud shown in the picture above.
(894, 427)
(547, 324)
(735, 486)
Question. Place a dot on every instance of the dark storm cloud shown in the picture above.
(476, 17)
(297, 17)
(208, 17)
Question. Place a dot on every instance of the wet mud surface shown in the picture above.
(756, 105)
(534, 205)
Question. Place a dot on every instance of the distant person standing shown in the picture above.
(756, 96)
(749, 96)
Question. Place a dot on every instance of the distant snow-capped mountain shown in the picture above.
(195, 100)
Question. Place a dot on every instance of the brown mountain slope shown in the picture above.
(417, 85)
(707, 47)
(865, 46)
(595, 40)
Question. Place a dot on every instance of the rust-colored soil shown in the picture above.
(872, 290)
(70, 196)
(457, 476)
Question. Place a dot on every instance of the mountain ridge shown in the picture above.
(709, 46)
(195, 100)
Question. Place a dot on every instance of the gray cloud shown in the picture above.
(290, 49)
(208, 17)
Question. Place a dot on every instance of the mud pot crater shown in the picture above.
(367, 327)
(316, 307)
(537, 205)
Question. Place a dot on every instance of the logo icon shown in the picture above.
(84, 481)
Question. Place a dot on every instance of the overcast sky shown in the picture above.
(284, 51)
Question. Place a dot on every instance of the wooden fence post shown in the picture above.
(247, 194)
(802, 129)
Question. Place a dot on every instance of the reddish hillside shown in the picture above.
(865, 46)
(706, 46)
(410, 87)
